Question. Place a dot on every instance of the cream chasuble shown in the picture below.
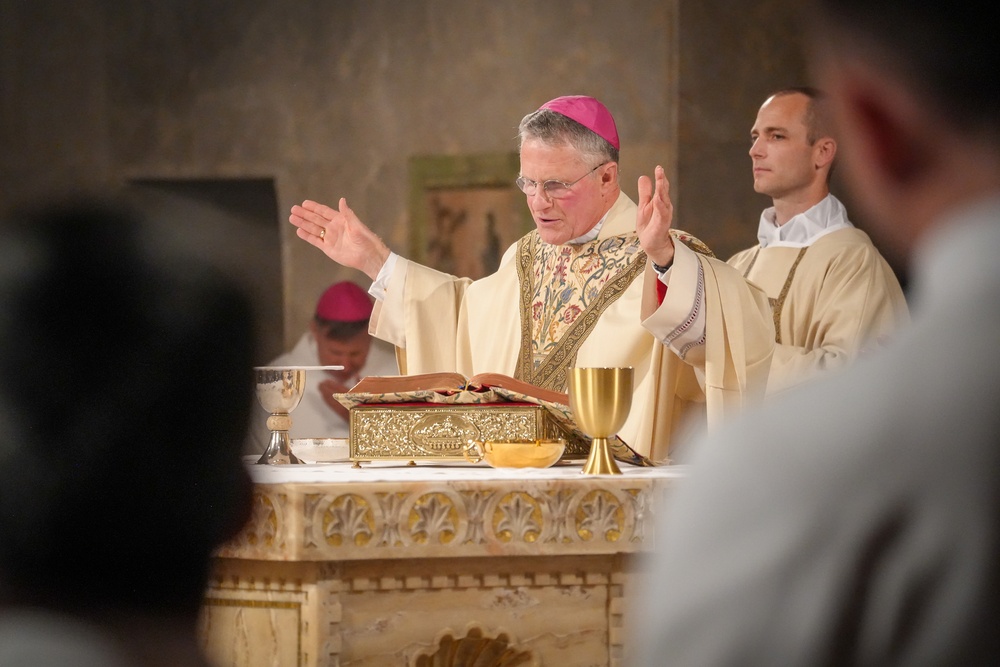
(831, 301)
(549, 308)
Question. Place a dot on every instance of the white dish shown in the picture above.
(321, 450)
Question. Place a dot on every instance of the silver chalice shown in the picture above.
(279, 390)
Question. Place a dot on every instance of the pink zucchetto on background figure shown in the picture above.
(337, 336)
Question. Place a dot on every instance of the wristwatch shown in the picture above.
(661, 269)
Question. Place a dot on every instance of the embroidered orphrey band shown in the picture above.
(779, 303)
(551, 373)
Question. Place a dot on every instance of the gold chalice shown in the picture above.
(279, 391)
(600, 399)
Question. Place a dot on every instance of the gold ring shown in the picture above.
(322, 233)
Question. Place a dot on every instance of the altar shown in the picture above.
(395, 564)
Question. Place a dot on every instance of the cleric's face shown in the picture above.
(351, 353)
(562, 219)
(784, 161)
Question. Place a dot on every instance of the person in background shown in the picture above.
(337, 336)
(857, 521)
(566, 294)
(832, 293)
(125, 391)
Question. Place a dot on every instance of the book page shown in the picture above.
(384, 384)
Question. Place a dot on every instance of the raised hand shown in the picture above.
(654, 218)
(340, 235)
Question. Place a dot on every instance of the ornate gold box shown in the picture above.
(421, 432)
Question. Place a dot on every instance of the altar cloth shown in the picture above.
(397, 471)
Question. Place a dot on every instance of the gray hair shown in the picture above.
(554, 128)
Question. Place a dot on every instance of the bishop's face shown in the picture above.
(566, 218)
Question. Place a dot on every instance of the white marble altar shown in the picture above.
(391, 564)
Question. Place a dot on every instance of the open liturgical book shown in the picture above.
(482, 388)
(446, 382)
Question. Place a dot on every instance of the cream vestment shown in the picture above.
(833, 295)
(549, 308)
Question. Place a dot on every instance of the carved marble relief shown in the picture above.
(367, 519)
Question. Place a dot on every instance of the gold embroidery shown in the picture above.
(695, 244)
(752, 262)
(551, 371)
(779, 303)
(524, 368)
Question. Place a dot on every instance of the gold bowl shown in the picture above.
(515, 453)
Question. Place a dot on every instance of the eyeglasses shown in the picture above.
(551, 189)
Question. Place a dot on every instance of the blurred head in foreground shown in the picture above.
(125, 390)
(916, 99)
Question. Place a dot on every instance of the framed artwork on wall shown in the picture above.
(465, 211)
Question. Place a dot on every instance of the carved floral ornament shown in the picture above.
(463, 519)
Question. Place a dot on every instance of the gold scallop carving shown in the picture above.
(475, 649)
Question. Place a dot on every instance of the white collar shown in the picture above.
(803, 229)
(590, 235)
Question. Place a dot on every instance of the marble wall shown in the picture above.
(325, 99)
